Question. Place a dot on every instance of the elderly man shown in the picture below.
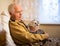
(18, 30)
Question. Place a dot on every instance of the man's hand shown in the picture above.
(45, 36)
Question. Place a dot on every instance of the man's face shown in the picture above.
(17, 13)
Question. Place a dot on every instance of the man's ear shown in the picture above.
(10, 13)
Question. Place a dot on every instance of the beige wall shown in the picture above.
(4, 4)
(52, 30)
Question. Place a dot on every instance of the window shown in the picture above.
(49, 12)
(45, 11)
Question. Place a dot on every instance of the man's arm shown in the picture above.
(20, 33)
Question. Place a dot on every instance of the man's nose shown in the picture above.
(20, 13)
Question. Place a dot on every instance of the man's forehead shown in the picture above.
(17, 7)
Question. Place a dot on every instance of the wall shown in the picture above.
(4, 4)
(52, 30)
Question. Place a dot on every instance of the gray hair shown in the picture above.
(11, 8)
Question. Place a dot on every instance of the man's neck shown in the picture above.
(14, 19)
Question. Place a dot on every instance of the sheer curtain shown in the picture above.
(30, 8)
(45, 11)
(49, 12)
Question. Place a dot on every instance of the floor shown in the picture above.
(54, 42)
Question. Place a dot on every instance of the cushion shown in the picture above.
(5, 26)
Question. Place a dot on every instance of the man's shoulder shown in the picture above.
(12, 22)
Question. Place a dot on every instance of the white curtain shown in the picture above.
(45, 11)
(49, 11)
(30, 8)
